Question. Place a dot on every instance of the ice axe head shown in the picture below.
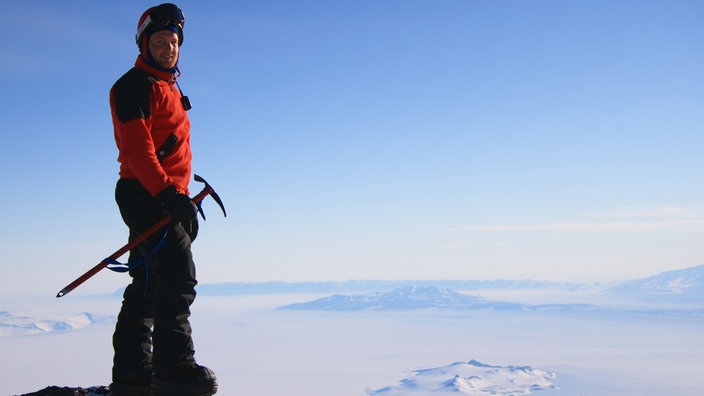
(208, 190)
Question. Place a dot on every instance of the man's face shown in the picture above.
(163, 45)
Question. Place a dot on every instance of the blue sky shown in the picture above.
(372, 139)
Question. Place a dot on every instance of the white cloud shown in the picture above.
(666, 211)
(638, 220)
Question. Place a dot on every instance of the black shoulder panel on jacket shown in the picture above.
(131, 94)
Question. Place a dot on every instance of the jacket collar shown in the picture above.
(162, 75)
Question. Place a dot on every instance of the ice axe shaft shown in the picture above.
(208, 190)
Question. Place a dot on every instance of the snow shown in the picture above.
(12, 324)
(472, 378)
(259, 350)
(686, 285)
(404, 298)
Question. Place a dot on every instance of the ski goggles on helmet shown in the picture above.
(162, 16)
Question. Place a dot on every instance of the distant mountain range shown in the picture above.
(404, 298)
(420, 297)
(674, 287)
(685, 285)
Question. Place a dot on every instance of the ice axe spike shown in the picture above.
(208, 190)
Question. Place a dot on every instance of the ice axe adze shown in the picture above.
(208, 190)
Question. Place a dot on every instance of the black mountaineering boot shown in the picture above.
(192, 380)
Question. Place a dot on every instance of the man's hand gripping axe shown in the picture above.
(208, 190)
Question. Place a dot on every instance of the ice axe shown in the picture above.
(207, 190)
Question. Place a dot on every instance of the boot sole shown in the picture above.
(118, 389)
(162, 388)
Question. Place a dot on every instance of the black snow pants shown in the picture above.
(153, 333)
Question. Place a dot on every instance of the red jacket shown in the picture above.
(148, 118)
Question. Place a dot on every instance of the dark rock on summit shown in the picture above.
(66, 391)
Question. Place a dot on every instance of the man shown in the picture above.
(154, 351)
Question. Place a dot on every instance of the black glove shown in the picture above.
(191, 228)
(178, 206)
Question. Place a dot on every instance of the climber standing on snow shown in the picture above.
(154, 351)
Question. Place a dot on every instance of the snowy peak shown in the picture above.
(416, 297)
(419, 298)
(405, 298)
(472, 378)
(674, 282)
(19, 324)
(684, 285)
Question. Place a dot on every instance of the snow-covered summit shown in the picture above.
(684, 285)
(471, 378)
(404, 298)
(24, 324)
(419, 298)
